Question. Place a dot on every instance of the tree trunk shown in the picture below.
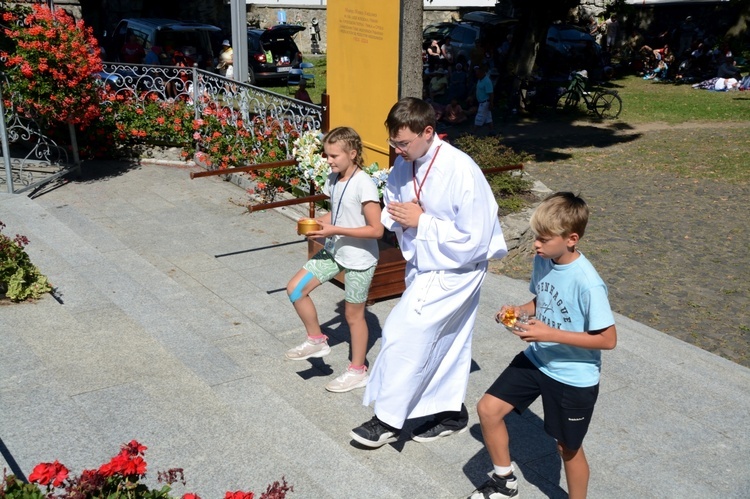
(535, 17)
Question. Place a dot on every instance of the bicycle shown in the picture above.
(607, 104)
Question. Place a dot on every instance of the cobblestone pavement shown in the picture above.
(673, 250)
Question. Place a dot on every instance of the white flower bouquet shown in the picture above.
(312, 166)
(379, 176)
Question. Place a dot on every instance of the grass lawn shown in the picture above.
(681, 130)
(647, 101)
(319, 70)
(705, 152)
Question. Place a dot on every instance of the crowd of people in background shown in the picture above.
(451, 87)
(686, 52)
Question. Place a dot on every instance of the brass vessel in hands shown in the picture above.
(306, 225)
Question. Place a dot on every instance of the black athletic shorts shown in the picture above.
(567, 409)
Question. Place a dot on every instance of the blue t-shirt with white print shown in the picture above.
(569, 297)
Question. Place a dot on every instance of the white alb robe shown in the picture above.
(425, 356)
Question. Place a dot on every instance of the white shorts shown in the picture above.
(484, 114)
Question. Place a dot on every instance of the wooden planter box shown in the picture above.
(388, 281)
(391, 270)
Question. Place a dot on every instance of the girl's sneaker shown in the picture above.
(350, 380)
(308, 349)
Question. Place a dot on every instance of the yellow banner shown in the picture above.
(363, 53)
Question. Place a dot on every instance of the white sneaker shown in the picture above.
(348, 381)
(307, 350)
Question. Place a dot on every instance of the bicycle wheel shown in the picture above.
(608, 105)
(568, 102)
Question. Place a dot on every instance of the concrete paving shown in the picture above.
(170, 327)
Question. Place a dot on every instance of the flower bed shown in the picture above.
(19, 278)
(120, 478)
(52, 62)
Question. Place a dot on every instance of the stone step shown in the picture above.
(150, 336)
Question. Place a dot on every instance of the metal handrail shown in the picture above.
(208, 93)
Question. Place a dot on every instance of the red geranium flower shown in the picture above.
(49, 473)
(239, 495)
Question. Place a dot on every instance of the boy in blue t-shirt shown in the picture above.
(572, 324)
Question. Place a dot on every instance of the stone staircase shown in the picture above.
(169, 327)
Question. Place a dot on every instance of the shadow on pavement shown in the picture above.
(544, 135)
(533, 452)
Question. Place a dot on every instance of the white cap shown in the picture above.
(225, 43)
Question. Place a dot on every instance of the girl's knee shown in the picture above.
(354, 312)
(296, 287)
(294, 290)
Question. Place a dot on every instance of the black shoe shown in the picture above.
(497, 487)
(374, 433)
(442, 425)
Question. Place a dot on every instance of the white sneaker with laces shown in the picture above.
(348, 381)
(307, 350)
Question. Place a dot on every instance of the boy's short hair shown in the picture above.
(412, 113)
(560, 214)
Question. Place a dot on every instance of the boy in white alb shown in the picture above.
(444, 214)
(351, 229)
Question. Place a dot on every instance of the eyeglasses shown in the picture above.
(403, 146)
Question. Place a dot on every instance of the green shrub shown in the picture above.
(19, 278)
(511, 190)
(512, 204)
(488, 152)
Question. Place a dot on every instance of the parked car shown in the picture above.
(191, 39)
(272, 53)
(571, 48)
(437, 31)
(490, 28)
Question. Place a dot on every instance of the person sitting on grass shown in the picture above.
(453, 113)
(659, 73)
(301, 93)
